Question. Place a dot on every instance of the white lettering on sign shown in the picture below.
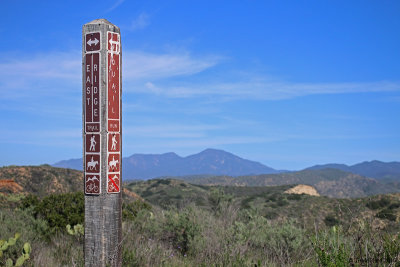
(113, 112)
(91, 101)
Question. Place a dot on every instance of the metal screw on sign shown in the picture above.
(102, 136)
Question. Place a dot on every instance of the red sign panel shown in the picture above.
(113, 125)
(113, 42)
(92, 127)
(92, 143)
(113, 142)
(113, 86)
(114, 183)
(113, 162)
(92, 184)
(91, 69)
(92, 163)
(92, 91)
(113, 112)
(92, 41)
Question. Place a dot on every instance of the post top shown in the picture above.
(101, 21)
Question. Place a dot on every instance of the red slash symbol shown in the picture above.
(114, 188)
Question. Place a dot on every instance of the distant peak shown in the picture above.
(171, 154)
(213, 150)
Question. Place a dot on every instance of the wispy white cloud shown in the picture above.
(142, 65)
(140, 22)
(62, 70)
(46, 137)
(43, 66)
(144, 73)
(264, 90)
(115, 5)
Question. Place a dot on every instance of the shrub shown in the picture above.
(218, 199)
(394, 206)
(295, 196)
(331, 249)
(271, 215)
(282, 202)
(377, 204)
(181, 229)
(130, 210)
(61, 209)
(29, 201)
(386, 214)
(330, 220)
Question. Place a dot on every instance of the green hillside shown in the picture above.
(169, 222)
(328, 182)
(270, 202)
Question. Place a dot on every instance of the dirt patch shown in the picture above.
(303, 189)
(9, 186)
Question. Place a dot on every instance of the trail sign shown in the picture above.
(113, 112)
(113, 142)
(92, 89)
(102, 138)
(92, 143)
(92, 184)
(92, 163)
(92, 41)
(113, 183)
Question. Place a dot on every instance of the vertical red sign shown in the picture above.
(92, 92)
(113, 112)
(92, 113)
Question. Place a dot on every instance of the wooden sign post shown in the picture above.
(102, 136)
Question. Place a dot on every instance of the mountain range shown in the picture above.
(328, 182)
(374, 169)
(207, 162)
(218, 162)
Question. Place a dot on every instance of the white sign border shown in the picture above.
(97, 51)
(92, 173)
(120, 163)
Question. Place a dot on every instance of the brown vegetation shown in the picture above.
(9, 186)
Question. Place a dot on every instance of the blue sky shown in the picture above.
(287, 83)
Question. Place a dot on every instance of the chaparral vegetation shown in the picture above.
(168, 222)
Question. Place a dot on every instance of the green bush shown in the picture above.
(59, 210)
(29, 201)
(218, 199)
(378, 204)
(295, 196)
(331, 248)
(181, 228)
(131, 209)
(386, 214)
(330, 220)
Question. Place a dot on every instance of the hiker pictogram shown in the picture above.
(113, 142)
(92, 143)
